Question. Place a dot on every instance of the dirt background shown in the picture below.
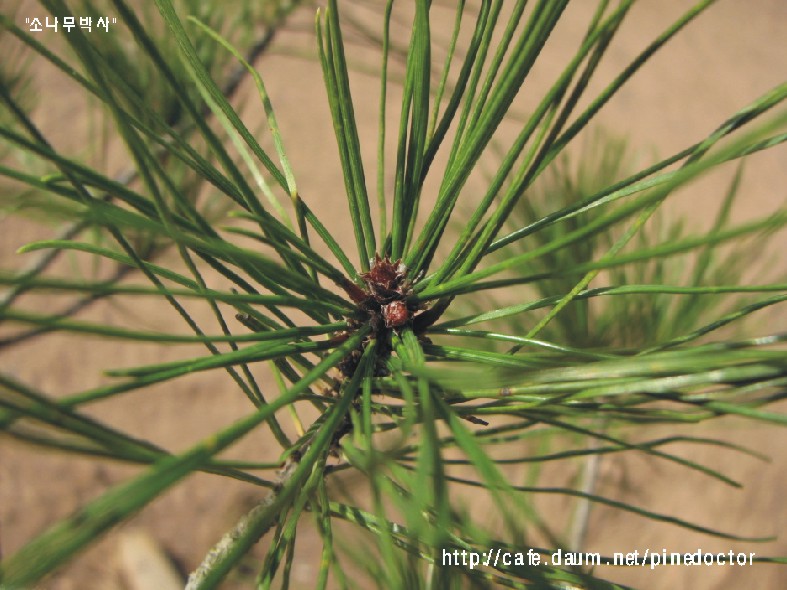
(722, 61)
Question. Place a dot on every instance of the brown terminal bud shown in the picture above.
(395, 314)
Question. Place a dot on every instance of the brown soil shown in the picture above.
(728, 57)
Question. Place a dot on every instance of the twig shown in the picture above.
(590, 473)
(247, 522)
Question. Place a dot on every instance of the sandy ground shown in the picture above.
(731, 55)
